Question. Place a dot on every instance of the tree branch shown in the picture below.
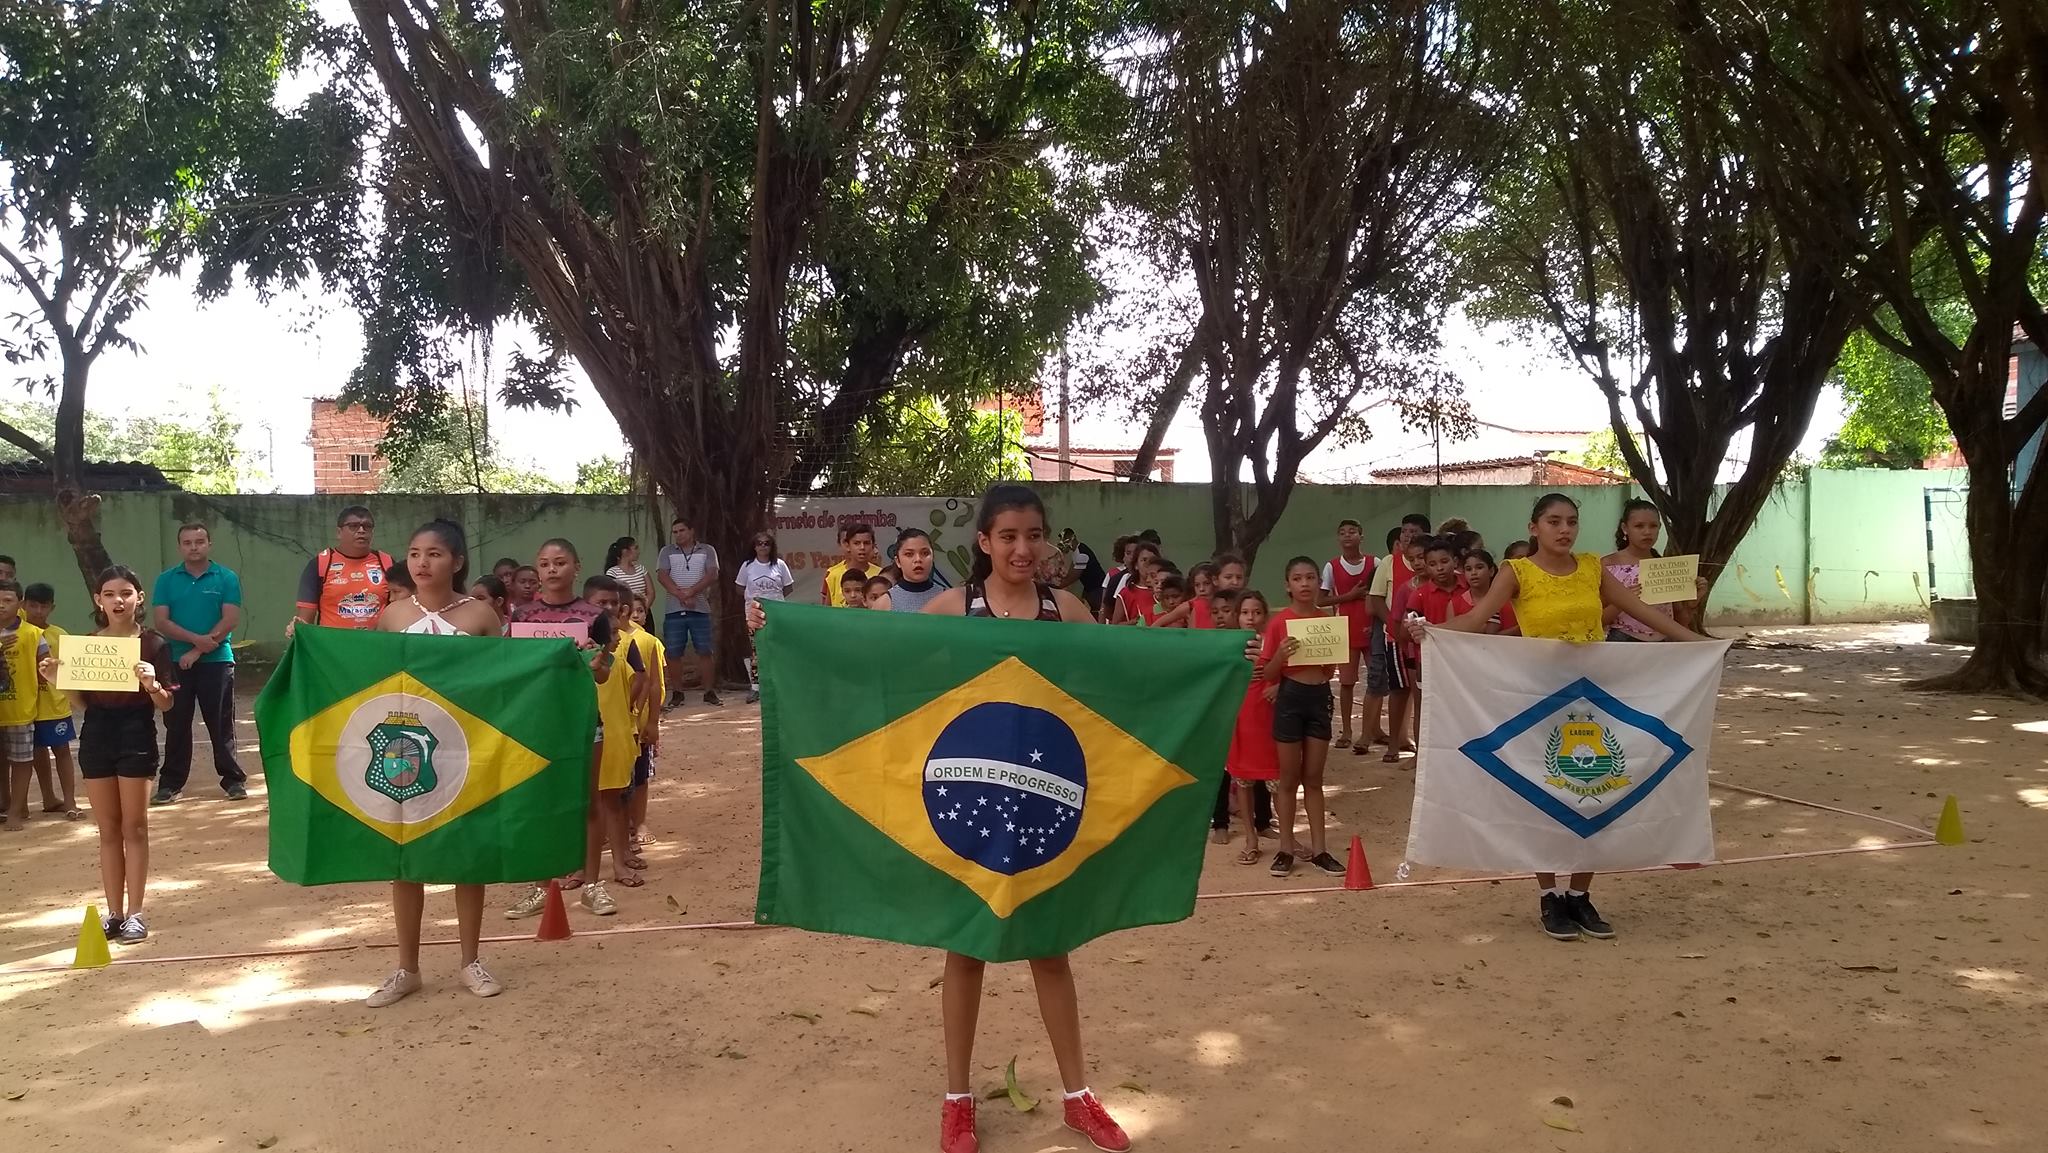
(25, 442)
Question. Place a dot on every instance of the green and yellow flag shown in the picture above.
(447, 760)
(1001, 789)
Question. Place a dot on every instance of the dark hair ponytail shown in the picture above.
(1000, 498)
(451, 537)
(1630, 508)
(618, 549)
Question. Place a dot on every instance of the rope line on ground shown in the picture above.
(1924, 840)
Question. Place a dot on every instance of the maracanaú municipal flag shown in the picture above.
(441, 759)
(1003, 789)
(1545, 757)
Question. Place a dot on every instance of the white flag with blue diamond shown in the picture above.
(1542, 756)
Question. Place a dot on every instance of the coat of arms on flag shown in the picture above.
(455, 760)
(1542, 756)
(1001, 789)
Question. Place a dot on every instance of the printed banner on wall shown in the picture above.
(1542, 756)
(807, 531)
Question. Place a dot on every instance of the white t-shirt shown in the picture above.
(686, 566)
(761, 580)
(1329, 578)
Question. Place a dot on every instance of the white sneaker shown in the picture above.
(397, 987)
(479, 980)
(530, 905)
(131, 929)
(598, 899)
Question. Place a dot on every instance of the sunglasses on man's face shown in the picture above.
(358, 526)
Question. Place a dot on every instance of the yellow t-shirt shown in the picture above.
(654, 655)
(51, 705)
(834, 595)
(18, 695)
(1559, 608)
(615, 712)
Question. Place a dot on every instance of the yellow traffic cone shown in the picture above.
(1949, 829)
(92, 942)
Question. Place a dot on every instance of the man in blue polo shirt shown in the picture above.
(198, 604)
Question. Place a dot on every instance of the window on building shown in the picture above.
(358, 462)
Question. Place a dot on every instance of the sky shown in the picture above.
(272, 359)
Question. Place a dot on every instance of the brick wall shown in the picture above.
(338, 436)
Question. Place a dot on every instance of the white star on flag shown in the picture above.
(1036, 756)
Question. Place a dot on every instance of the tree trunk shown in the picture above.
(76, 507)
(2009, 566)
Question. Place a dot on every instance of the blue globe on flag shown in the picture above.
(1004, 786)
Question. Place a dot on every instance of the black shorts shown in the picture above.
(117, 743)
(1301, 712)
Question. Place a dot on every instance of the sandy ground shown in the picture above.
(1893, 1000)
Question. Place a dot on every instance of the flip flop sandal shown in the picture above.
(74, 814)
(1249, 856)
(1342, 742)
(1390, 757)
(636, 862)
(630, 880)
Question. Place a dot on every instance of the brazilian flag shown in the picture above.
(441, 759)
(1003, 789)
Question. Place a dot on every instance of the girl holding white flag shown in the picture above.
(1558, 594)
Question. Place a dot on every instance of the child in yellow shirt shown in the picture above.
(54, 728)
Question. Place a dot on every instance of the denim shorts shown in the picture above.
(693, 629)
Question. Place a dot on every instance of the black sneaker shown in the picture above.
(237, 792)
(711, 697)
(1327, 863)
(162, 797)
(1580, 909)
(675, 701)
(1557, 918)
(1283, 864)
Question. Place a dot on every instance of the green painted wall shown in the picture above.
(1850, 546)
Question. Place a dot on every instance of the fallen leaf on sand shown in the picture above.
(1133, 1086)
(1564, 1101)
(731, 1052)
(809, 1017)
(879, 989)
(16, 1094)
(266, 1143)
(1561, 1123)
(995, 1094)
(864, 1012)
(1692, 956)
(673, 904)
(1017, 1098)
(1869, 968)
(357, 1032)
(936, 982)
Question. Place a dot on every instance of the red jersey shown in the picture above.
(1339, 581)
(1503, 620)
(1434, 602)
(1202, 617)
(1138, 601)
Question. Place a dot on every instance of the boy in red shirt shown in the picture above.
(1346, 585)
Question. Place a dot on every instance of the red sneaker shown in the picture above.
(1086, 1116)
(956, 1128)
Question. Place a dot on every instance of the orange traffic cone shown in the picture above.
(554, 917)
(1357, 875)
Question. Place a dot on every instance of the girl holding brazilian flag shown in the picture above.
(1007, 818)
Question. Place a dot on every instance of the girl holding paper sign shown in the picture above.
(1560, 595)
(1635, 541)
(117, 752)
